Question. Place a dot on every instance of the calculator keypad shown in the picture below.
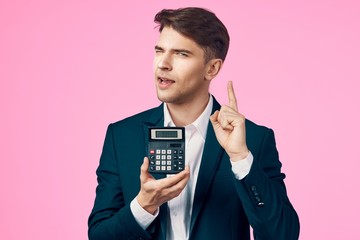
(166, 160)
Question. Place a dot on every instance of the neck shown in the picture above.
(186, 113)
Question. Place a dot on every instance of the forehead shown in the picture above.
(170, 39)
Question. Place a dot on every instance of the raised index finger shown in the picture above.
(231, 95)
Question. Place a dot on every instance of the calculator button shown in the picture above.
(165, 158)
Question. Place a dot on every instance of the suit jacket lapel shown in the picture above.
(209, 163)
(157, 120)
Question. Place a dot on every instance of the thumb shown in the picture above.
(144, 174)
(145, 165)
(214, 117)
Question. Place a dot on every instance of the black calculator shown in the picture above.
(166, 149)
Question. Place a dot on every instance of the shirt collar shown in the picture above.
(201, 123)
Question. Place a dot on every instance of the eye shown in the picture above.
(159, 50)
(183, 54)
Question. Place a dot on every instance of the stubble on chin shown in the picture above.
(167, 98)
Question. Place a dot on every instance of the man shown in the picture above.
(232, 178)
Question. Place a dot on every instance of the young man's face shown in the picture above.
(179, 69)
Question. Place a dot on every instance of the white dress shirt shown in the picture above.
(180, 208)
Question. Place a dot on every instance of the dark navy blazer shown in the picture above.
(223, 206)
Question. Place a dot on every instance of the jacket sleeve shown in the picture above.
(111, 218)
(263, 195)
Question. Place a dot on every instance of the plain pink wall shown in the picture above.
(69, 68)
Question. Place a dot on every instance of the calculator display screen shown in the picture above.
(166, 134)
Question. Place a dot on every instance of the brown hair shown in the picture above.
(200, 25)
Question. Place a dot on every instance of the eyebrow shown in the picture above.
(174, 50)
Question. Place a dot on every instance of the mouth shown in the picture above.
(165, 82)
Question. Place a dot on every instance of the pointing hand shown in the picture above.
(229, 127)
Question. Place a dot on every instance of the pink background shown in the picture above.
(69, 68)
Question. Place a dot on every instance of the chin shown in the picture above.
(166, 99)
(163, 99)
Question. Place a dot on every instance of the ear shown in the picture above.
(213, 67)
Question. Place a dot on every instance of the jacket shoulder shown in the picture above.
(254, 128)
(136, 119)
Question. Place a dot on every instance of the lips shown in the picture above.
(165, 82)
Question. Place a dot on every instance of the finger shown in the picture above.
(174, 179)
(214, 117)
(144, 165)
(174, 190)
(225, 122)
(232, 97)
(144, 174)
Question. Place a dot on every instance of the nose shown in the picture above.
(164, 62)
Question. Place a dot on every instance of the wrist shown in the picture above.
(147, 207)
(235, 157)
